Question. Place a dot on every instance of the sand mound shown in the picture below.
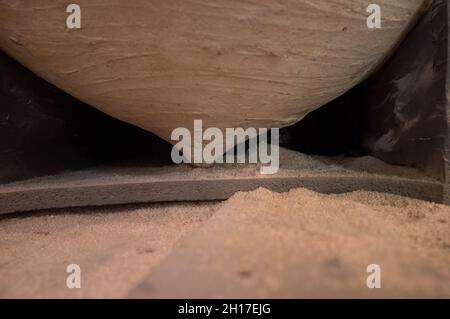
(256, 244)
(114, 246)
(305, 244)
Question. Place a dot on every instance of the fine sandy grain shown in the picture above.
(114, 246)
(256, 244)
(304, 244)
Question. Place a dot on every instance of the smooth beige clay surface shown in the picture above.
(162, 64)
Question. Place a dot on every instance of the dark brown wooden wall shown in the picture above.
(399, 114)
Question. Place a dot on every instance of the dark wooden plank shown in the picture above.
(139, 185)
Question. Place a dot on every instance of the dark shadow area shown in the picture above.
(332, 130)
(44, 130)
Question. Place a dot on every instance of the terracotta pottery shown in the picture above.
(232, 63)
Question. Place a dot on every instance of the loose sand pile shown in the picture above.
(115, 248)
(256, 244)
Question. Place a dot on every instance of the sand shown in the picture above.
(114, 246)
(256, 244)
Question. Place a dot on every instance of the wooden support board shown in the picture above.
(124, 185)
